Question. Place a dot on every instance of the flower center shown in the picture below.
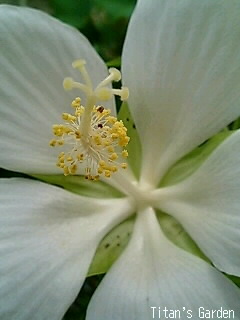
(96, 138)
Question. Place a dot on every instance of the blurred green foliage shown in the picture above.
(104, 22)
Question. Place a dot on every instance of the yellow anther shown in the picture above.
(125, 153)
(80, 157)
(69, 159)
(65, 116)
(110, 149)
(102, 163)
(68, 130)
(107, 173)
(114, 169)
(78, 134)
(111, 119)
(98, 140)
(66, 171)
(115, 135)
(124, 165)
(124, 141)
(60, 142)
(100, 170)
(107, 143)
(106, 112)
(52, 143)
(68, 117)
(113, 156)
(73, 169)
(79, 111)
(58, 130)
(76, 102)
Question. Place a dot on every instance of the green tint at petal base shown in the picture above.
(175, 232)
(192, 161)
(79, 185)
(111, 247)
(134, 145)
(117, 239)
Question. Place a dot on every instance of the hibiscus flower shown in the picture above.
(181, 65)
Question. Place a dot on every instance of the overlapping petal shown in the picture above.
(36, 55)
(48, 237)
(181, 64)
(152, 272)
(207, 205)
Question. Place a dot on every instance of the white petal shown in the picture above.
(207, 205)
(153, 272)
(48, 237)
(181, 64)
(36, 55)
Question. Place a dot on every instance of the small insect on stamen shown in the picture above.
(100, 109)
(96, 138)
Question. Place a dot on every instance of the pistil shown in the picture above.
(97, 137)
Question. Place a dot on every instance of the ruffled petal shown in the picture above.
(207, 205)
(36, 55)
(181, 64)
(48, 237)
(152, 272)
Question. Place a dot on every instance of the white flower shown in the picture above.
(181, 64)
